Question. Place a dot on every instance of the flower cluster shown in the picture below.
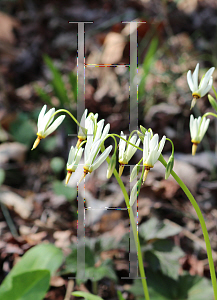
(198, 126)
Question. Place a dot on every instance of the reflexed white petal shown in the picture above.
(40, 117)
(122, 145)
(89, 141)
(153, 142)
(54, 126)
(203, 129)
(190, 82)
(47, 117)
(94, 150)
(100, 125)
(101, 158)
(195, 77)
(146, 145)
(133, 150)
(191, 124)
(105, 131)
(82, 123)
(162, 143)
(71, 155)
(207, 88)
(79, 154)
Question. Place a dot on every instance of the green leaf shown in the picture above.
(31, 285)
(41, 257)
(57, 82)
(23, 130)
(212, 102)
(87, 296)
(169, 259)
(60, 189)
(155, 229)
(2, 176)
(161, 287)
(148, 62)
(73, 82)
(120, 297)
(43, 95)
(91, 272)
(57, 164)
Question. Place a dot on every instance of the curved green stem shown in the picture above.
(202, 223)
(136, 238)
(71, 115)
(208, 114)
(120, 137)
(171, 144)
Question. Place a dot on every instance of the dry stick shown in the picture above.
(69, 290)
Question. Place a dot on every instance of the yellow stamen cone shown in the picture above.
(121, 169)
(145, 175)
(83, 176)
(79, 142)
(194, 148)
(37, 141)
(193, 102)
(69, 173)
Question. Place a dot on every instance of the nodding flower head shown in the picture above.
(93, 147)
(198, 128)
(151, 151)
(73, 161)
(204, 86)
(44, 120)
(125, 155)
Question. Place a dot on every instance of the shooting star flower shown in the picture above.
(204, 86)
(44, 120)
(73, 161)
(198, 129)
(126, 155)
(151, 151)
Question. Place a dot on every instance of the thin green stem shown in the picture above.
(136, 238)
(202, 223)
(71, 115)
(208, 114)
(120, 137)
(94, 287)
(171, 144)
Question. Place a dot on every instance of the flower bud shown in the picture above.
(134, 172)
(169, 166)
(135, 191)
(212, 102)
(111, 166)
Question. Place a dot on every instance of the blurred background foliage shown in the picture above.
(38, 65)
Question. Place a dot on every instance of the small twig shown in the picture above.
(69, 289)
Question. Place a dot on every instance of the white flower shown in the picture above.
(204, 86)
(151, 151)
(85, 123)
(197, 130)
(126, 155)
(92, 149)
(73, 161)
(44, 120)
